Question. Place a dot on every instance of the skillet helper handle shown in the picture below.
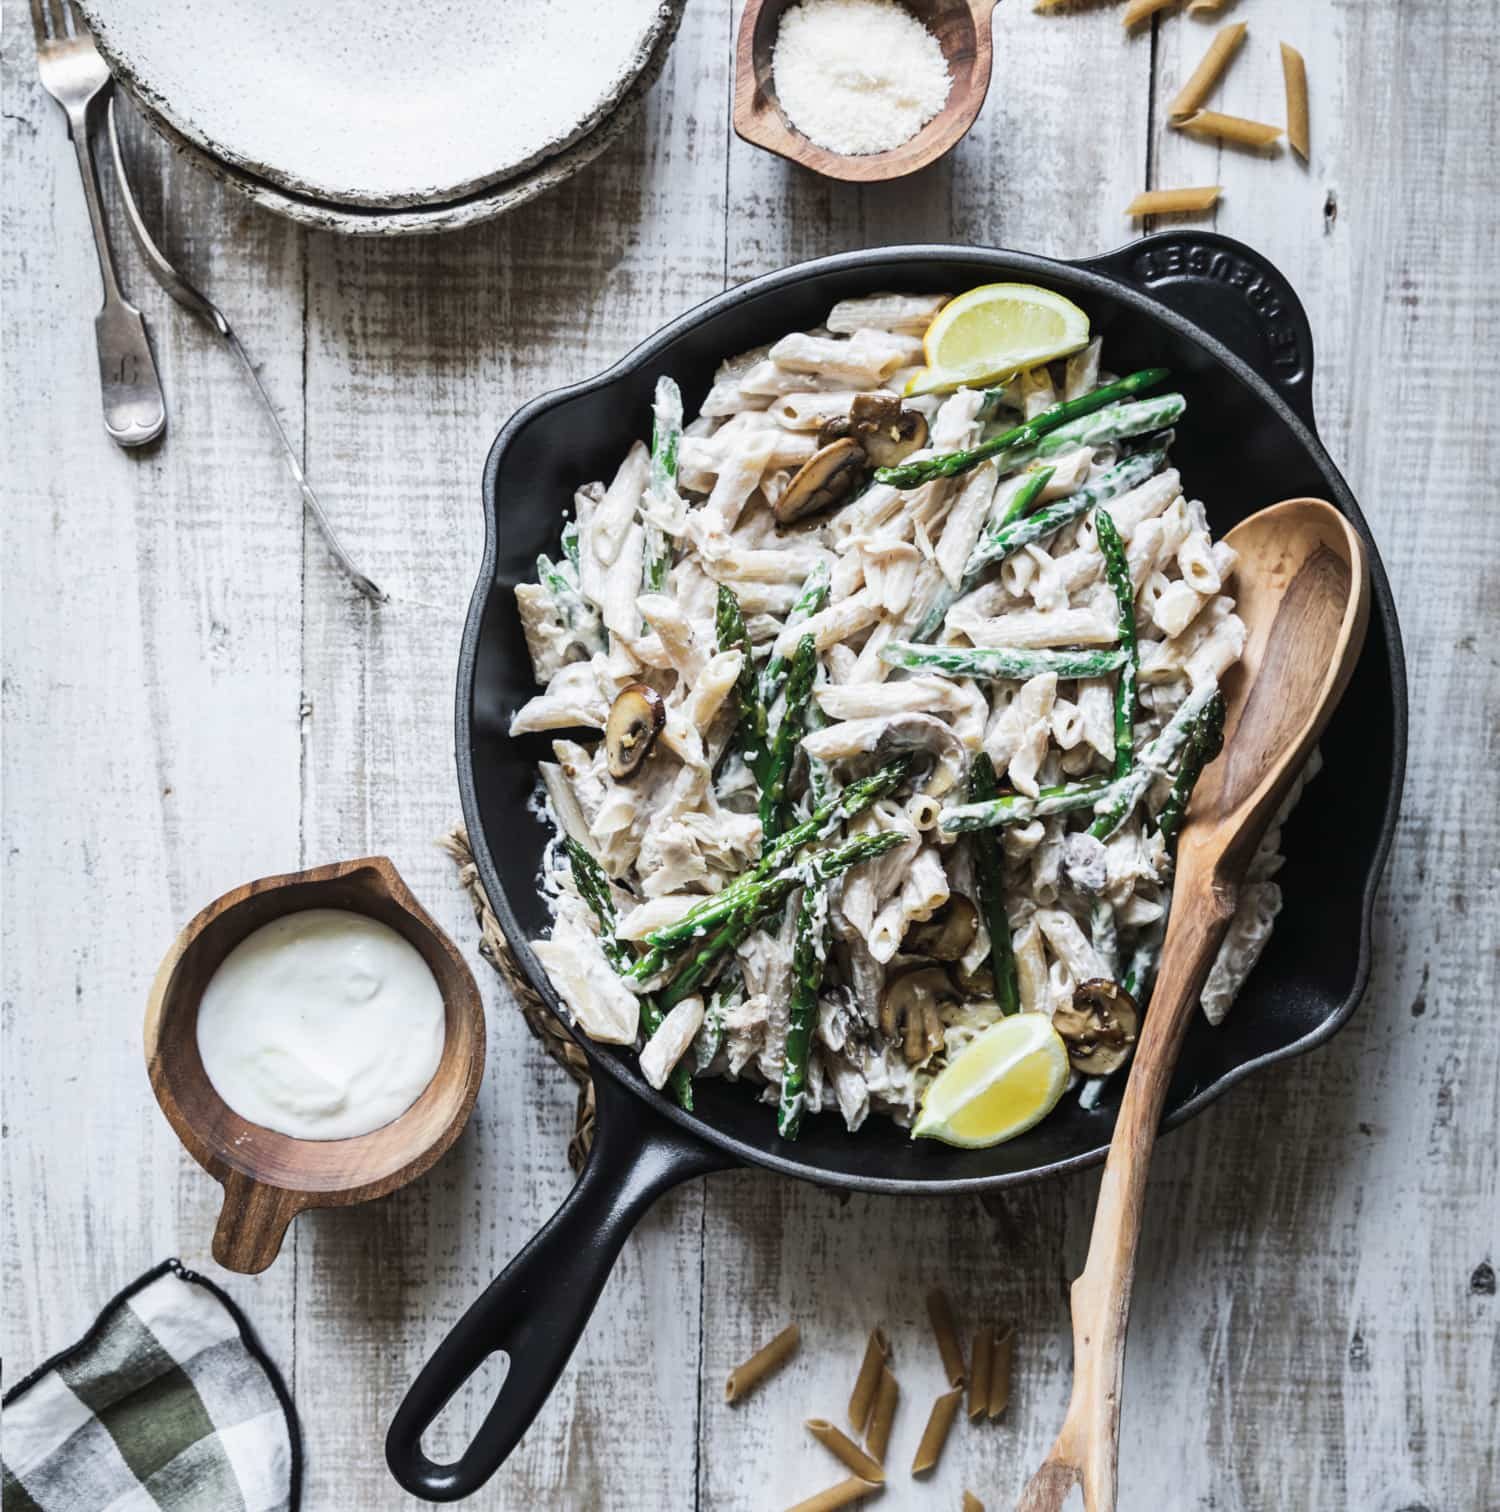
(536, 1310)
(1088, 1447)
(1235, 294)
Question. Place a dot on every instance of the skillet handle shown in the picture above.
(535, 1311)
(1232, 293)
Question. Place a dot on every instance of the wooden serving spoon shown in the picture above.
(1304, 595)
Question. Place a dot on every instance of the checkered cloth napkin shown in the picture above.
(166, 1403)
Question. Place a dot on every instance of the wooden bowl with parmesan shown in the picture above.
(861, 90)
(314, 1040)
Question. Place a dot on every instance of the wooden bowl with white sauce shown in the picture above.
(270, 1177)
(962, 30)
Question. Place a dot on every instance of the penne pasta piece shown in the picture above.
(660, 1054)
(1173, 201)
(845, 1494)
(1142, 10)
(935, 1434)
(1201, 81)
(843, 1448)
(972, 1503)
(1001, 1357)
(1228, 128)
(940, 1311)
(906, 314)
(878, 1439)
(979, 1372)
(1205, 7)
(867, 1382)
(1294, 70)
(743, 1379)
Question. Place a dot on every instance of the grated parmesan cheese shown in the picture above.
(857, 76)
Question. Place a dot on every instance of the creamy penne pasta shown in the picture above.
(876, 719)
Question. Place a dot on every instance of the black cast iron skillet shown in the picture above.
(1237, 341)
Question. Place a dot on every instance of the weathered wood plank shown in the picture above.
(150, 628)
(776, 1251)
(417, 351)
(1313, 1321)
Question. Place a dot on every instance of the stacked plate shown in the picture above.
(388, 117)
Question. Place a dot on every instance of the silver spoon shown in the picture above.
(210, 314)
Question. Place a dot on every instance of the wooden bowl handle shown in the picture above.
(252, 1223)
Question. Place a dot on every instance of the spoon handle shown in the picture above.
(1087, 1448)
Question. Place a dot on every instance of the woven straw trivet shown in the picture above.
(539, 1018)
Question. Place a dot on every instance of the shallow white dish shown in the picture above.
(449, 215)
(380, 103)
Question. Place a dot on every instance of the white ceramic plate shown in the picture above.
(380, 103)
(452, 215)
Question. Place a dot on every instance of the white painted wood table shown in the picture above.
(194, 697)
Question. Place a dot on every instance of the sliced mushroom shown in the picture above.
(887, 433)
(947, 934)
(909, 1007)
(827, 476)
(979, 983)
(1099, 1026)
(925, 733)
(635, 719)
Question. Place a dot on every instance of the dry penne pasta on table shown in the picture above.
(940, 1313)
(766, 1361)
(1294, 70)
(883, 1414)
(876, 692)
(1200, 83)
(935, 1434)
(1142, 10)
(867, 1382)
(845, 1494)
(845, 1450)
(1174, 201)
(1002, 1358)
(1229, 128)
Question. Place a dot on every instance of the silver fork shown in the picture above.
(75, 74)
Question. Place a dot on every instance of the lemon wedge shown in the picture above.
(999, 1085)
(994, 331)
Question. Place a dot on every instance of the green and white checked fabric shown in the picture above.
(167, 1404)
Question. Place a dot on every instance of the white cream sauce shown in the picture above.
(323, 1024)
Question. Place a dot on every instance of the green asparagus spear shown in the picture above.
(763, 900)
(1016, 808)
(1119, 422)
(1117, 570)
(809, 953)
(728, 990)
(1115, 806)
(711, 912)
(1012, 534)
(1139, 978)
(1206, 741)
(1126, 474)
(573, 609)
(821, 787)
(988, 874)
(661, 483)
(593, 888)
(813, 597)
(751, 732)
(774, 806)
(1020, 505)
(1000, 663)
(570, 545)
(914, 474)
